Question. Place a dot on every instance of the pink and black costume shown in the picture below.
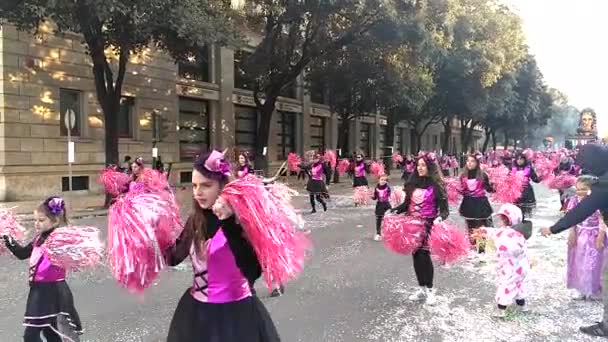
(360, 170)
(409, 165)
(244, 170)
(475, 206)
(382, 194)
(527, 201)
(427, 201)
(316, 185)
(50, 304)
(221, 305)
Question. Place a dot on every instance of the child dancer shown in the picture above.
(316, 186)
(360, 170)
(244, 167)
(585, 248)
(50, 307)
(475, 206)
(425, 198)
(527, 201)
(510, 237)
(409, 164)
(382, 193)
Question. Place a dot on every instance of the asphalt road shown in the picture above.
(352, 290)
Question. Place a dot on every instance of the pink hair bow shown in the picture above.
(216, 163)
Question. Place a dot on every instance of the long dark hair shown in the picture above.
(196, 226)
(477, 170)
(433, 178)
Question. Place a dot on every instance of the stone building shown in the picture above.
(204, 102)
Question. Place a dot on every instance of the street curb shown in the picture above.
(75, 216)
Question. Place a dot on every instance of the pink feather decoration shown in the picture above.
(448, 244)
(397, 197)
(544, 167)
(562, 182)
(361, 195)
(397, 158)
(75, 248)
(402, 234)
(293, 162)
(281, 249)
(377, 169)
(343, 166)
(508, 188)
(453, 188)
(140, 227)
(330, 156)
(10, 227)
(114, 182)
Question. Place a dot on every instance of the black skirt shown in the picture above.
(52, 305)
(527, 199)
(382, 208)
(475, 208)
(360, 181)
(245, 320)
(316, 186)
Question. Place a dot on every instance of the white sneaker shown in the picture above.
(377, 237)
(418, 295)
(499, 313)
(522, 308)
(579, 296)
(431, 299)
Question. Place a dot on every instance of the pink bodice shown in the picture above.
(422, 203)
(41, 268)
(317, 171)
(472, 187)
(360, 170)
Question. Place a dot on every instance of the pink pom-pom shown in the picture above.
(397, 158)
(114, 182)
(447, 243)
(509, 188)
(140, 227)
(402, 234)
(10, 227)
(280, 247)
(330, 156)
(454, 163)
(397, 197)
(529, 154)
(154, 180)
(453, 188)
(562, 182)
(293, 162)
(544, 167)
(282, 195)
(75, 248)
(377, 169)
(361, 195)
(343, 166)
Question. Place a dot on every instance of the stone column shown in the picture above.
(354, 137)
(222, 118)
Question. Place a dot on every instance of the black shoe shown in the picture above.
(277, 292)
(324, 207)
(313, 211)
(595, 330)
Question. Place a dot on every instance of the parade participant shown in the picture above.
(382, 193)
(316, 186)
(510, 235)
(594, 159)
(425, 198)
(444, 161)
(221, 304)
(50, 307)
(475, 206)
(585, 248)
(565, 167)
(409, 164)
(360, 169)
(244, 167)
(137, 169)
(527, 201)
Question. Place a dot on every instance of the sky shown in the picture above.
(570, 41)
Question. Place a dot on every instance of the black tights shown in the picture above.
(319, 198)
(379, 224)
(32, 334)
(423, 266)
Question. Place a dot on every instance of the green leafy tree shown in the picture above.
(112, 30)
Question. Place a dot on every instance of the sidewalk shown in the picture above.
(80, 206)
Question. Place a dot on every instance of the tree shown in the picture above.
(112, 30)
(295, 33)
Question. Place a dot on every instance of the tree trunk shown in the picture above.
(343, 136)
(494, 140)
(506, 141)
(418, 141)
(447, 135)
(486, 140)
(261, 139)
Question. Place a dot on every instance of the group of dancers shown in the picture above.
(241, 229)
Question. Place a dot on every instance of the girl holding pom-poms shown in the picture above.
(425, 198)
(316, 185)
(244, 168)
(523, 167)
(382, 195)
(475, 206)
(50, 307)
(221, 304)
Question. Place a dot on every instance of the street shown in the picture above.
(351, 290)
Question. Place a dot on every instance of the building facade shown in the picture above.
(202, 103)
